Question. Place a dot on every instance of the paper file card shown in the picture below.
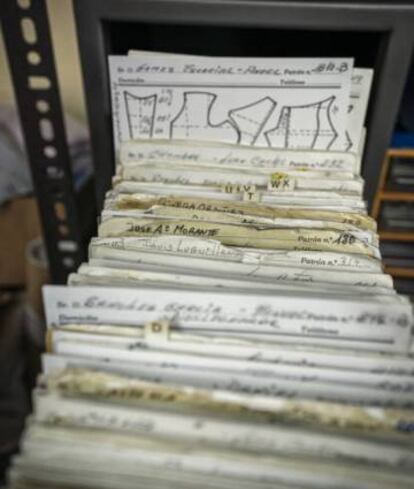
(280, 103)
(330, 321)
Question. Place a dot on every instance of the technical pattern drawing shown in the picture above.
(252, 118)
(304, 127)
(307, 126)
(195, 117)
(140, 115)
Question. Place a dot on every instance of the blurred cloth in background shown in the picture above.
(15, 177)
(23, 271)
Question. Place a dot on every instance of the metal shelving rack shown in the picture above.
(378, 34)
(28, 43)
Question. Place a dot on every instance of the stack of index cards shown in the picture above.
(233, 326)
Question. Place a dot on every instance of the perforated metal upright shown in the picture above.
(27, 38)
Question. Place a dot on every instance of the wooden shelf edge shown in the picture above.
(400, 272)
(389, 195)
(396, 235)
(402, 152)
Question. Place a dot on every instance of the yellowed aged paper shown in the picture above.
(232, 218)
(101, 385)
(236, 235)
(242, 208)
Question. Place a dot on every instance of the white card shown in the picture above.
(238, 157)
(219, 432)
(360, 89)
(290, 318)
(273, 102)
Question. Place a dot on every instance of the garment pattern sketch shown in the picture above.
(304, 127)
(195, 115)
(140, 114)
(251, 119)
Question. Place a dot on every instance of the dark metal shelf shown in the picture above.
(378, 34)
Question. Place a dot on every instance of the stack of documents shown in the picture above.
(233, 326)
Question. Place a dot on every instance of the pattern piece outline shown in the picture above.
(153, 98)
(261, 124)
(213, 98)
(285, 115)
